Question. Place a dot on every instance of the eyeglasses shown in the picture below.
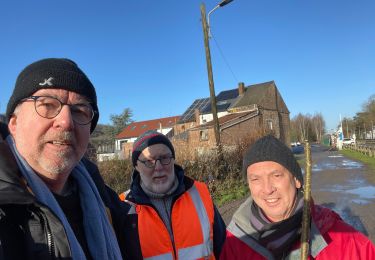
(50, 107)
(152, 163)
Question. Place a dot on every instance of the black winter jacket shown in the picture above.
(29, 229)
(129, 239)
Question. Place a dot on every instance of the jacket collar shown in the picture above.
(12, 187)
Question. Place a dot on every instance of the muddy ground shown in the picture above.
(339, 183)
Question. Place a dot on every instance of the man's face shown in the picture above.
(52, 147)
(273, 189)
(160, 178)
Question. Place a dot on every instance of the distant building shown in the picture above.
(124, 140)
(242, 112)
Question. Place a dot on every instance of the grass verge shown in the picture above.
(228, 190)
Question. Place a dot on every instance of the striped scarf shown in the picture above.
(278, 237)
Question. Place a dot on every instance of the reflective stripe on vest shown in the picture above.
(167, 256)
(192, 231)
(204, 249)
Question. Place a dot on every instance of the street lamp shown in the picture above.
(223, 3)
(205, 25)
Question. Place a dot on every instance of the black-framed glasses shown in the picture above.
(152, 163)
(50, 107)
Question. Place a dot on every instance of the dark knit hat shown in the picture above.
(269, 148)
(56, 74)
(147, 139)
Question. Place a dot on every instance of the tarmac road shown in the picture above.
(339, 183)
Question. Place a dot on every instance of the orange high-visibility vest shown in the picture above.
(192, 219)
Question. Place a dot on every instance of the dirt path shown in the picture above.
(338, 183)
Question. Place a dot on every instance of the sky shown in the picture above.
(149, 55)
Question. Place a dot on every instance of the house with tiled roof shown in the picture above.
(124, 140)
(243, 112)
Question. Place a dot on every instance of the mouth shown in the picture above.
(60, 145)
(271, 201)
(62, 142)
(159, 178)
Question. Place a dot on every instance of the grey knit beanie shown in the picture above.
(147, 139)
(55, 73)
(269, 148)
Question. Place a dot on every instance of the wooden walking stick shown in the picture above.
(306, 205)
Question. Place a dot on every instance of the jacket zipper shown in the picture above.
(50, 241)
(172, 238)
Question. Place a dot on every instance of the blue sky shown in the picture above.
(149, 55)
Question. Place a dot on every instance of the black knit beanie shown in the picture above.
(269, 148)
(56, 74)
(147, 139)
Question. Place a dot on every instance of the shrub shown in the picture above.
(116, 174)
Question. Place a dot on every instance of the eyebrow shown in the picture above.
(81, 100)
(157, 157)
(260, 174)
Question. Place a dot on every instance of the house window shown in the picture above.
(269, 124)
(203, 135)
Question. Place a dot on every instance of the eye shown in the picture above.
(47, 103)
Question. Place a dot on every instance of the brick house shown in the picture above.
(242, 112)
(124, 140)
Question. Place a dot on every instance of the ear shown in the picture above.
(297, 183)
(12, 125)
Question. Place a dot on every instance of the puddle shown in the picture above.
(363, 195)
(344, 164)
(351, 164)
(364, 192)
(335, 156)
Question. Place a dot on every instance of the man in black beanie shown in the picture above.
(268, 224)
(52, 200)
(173, 216)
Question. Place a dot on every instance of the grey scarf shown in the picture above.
(278, 237)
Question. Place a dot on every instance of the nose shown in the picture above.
(158, 165)
(64, 119)
(268, 187)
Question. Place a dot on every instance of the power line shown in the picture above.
(225, 60)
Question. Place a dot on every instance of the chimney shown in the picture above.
(241, 88)
(196, 113)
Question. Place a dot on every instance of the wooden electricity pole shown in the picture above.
(210, 77)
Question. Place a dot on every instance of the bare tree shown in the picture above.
(318, 126)
(302, 123)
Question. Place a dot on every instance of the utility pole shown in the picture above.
(210, 77)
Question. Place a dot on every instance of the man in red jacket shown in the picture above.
(268, 224)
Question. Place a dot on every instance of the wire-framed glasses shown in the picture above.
(50, 107)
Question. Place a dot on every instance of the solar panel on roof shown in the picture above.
(189, 113)
(227, 94)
